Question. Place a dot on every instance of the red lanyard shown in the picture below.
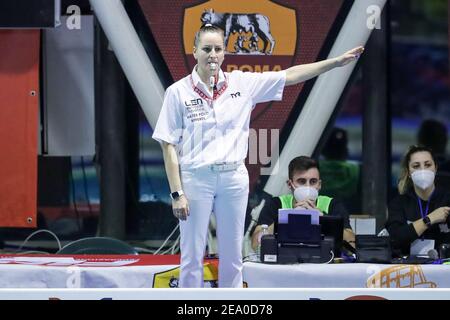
(216, 93)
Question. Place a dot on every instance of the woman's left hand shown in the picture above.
(349, 56)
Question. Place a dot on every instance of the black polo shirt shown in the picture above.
(269, 213)
(404, 209)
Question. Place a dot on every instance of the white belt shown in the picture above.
(226, 166)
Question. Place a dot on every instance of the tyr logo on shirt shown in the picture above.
(235, 95)
(193, 102)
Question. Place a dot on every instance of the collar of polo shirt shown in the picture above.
(196, 78)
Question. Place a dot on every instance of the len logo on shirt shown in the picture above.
(193, 102)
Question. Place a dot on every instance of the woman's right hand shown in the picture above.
(439, 215)
(180, 207)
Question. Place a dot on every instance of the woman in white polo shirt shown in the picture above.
(203, 128)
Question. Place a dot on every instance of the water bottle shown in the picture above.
(264, 230)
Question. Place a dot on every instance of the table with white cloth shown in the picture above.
(346, 275)
(96, 271)
(162, 271)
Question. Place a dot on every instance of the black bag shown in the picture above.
(373, 249)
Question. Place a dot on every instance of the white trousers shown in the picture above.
(226, 194)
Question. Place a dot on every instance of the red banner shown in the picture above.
(19, 103)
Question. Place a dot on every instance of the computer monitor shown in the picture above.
(333, 226)
(300, 228)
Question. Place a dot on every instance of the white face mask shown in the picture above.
(305, 192)
(423, 178)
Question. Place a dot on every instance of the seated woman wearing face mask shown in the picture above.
(304, 183)
(418, 217)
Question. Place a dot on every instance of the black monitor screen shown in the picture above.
(333, 226)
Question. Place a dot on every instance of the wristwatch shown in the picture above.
(175, 195)
(427, 221)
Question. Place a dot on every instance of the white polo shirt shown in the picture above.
(207, 131)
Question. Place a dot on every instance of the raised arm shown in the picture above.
(180, 206)
(303, 72)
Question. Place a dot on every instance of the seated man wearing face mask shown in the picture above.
(418, 216)
(304, 183)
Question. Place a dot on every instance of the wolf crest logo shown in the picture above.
(170, 278)
(255, 24)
